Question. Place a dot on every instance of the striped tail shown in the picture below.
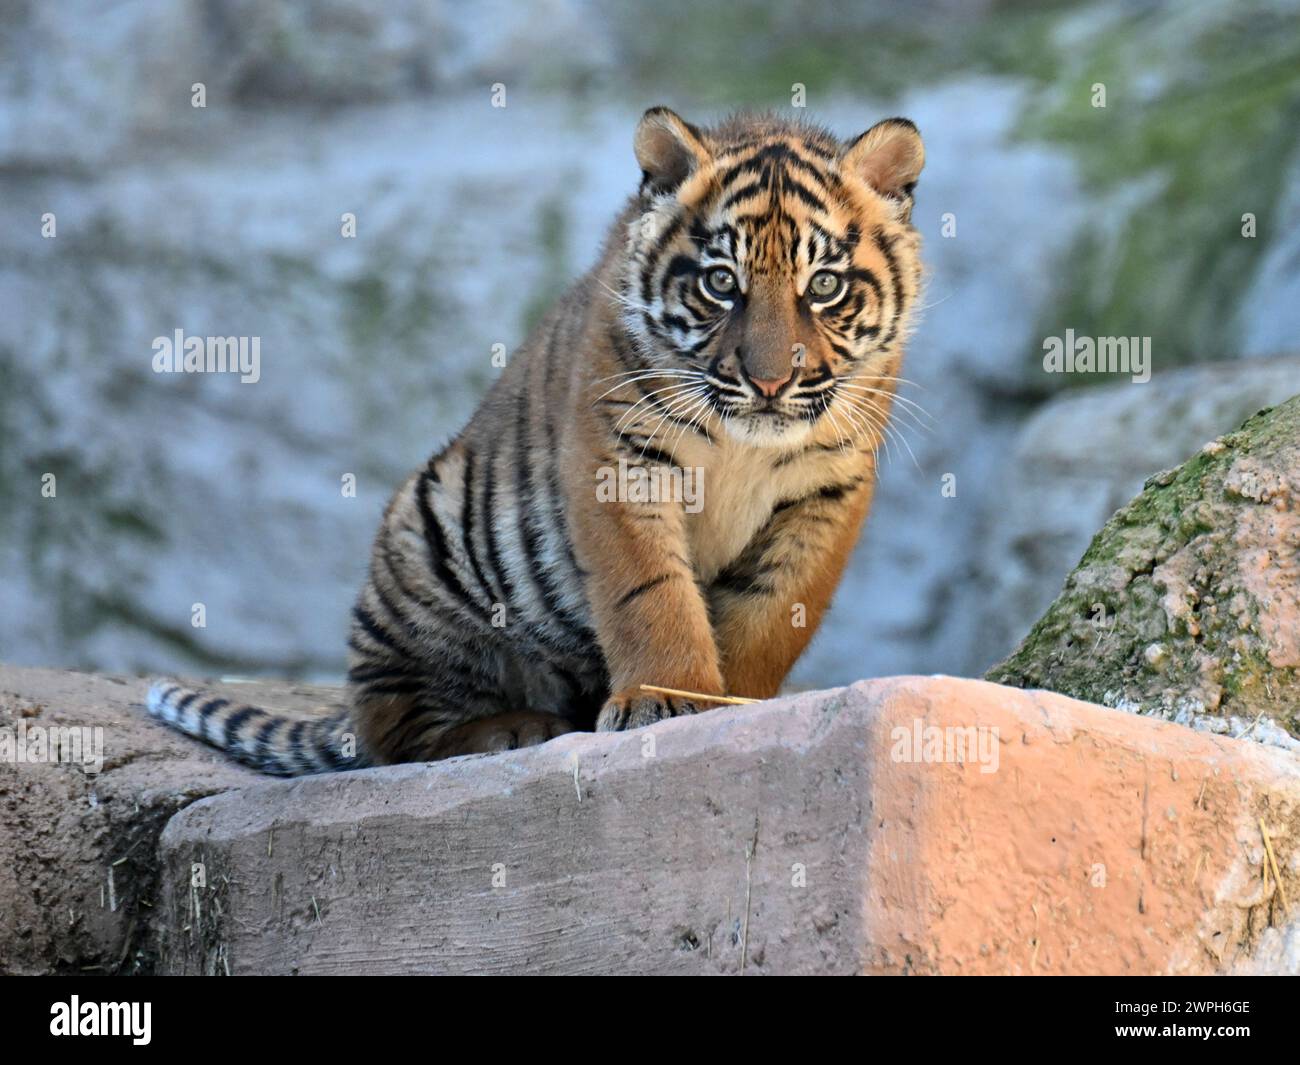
(282, 743)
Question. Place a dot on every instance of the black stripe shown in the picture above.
(392, 687)
(373, 629)
(530, 540)
(450, 638)
(467, 525)
(885, 244)
(743, 193)
(414, 651)
(359, 674)
(742, 579)
(633, 442)
(827, 493)
(866, 277)
(208, 709)
(770, 156)
(838, 491)
(505, 588)
(436, 540)
(448, 635)
(294, 744)
(558, 515)
(236, 720)
(262, 742)
(414, 714)
(625, 352)
(641, 589)
(680, 266)
(327, 745)
(665, 238)
(802, 192)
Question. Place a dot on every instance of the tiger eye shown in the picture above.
(721, 281)
(824, 284)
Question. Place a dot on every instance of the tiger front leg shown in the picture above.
(768, 603)
(651, 620)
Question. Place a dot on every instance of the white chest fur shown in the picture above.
(741, 485)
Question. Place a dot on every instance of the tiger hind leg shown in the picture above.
(500, 732)
(407, 730)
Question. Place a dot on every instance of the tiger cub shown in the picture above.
(664, 484)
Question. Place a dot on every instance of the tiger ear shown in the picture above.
(889, 158)
(668, 148)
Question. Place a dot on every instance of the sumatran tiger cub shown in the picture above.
(664, 484)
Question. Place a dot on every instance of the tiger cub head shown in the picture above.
(774, 264)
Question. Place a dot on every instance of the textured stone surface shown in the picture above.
(779, 838)
(1083, 456)
(79, 875)
(1187, 602)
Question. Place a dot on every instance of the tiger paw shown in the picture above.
(635, 708)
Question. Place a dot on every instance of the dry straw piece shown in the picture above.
(1268, 847)
(730, 700)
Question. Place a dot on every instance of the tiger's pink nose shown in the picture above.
(770, 386)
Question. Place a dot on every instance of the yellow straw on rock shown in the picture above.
(732, 700)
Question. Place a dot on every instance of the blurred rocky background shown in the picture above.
(1041, 213)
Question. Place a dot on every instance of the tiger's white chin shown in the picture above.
(764, 430)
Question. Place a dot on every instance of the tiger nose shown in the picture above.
(769, 386)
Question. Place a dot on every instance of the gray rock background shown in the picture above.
(184, 489)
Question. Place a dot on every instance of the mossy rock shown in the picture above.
(1187, 602)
